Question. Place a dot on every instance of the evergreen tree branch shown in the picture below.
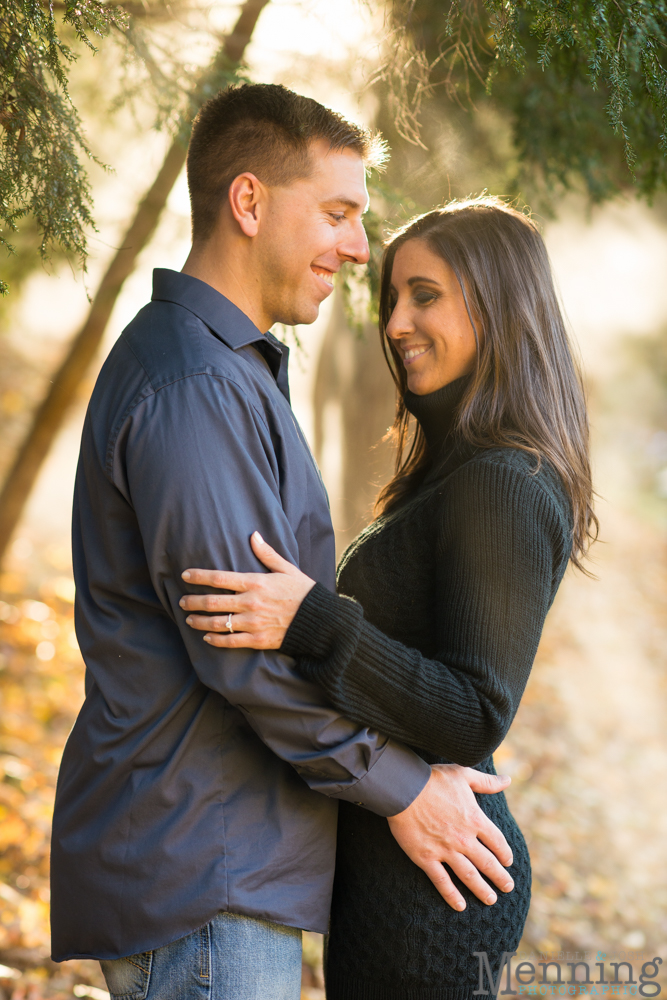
(579, 64)
(41, 138)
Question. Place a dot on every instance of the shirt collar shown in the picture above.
(226, 320)
(276, 355)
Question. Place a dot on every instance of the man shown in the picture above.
(195, 819)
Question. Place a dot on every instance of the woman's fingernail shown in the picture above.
(259, 538)
(460, 905)
(207, 638)
(186, 574)
(491, 899)
(188, 620)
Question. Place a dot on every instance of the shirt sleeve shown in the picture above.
(499, 539)
(197, 462)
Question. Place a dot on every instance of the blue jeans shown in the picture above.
(232, 958)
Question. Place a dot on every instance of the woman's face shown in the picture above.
(429, 323)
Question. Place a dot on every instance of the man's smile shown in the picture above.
(323, 273)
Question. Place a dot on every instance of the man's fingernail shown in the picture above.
(186, 574)
(504, 777)
(460, 905)
(259, 538)
(207, 638)
(188, 620)
(182, 602)
(492, 898)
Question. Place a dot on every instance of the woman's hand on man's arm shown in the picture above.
(262, 606)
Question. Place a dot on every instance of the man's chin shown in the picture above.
(303, 315)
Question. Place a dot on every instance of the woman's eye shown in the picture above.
(424, 298)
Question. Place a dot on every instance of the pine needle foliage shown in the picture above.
(584, 82)
(41, 138)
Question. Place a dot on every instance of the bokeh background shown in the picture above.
(588, 749)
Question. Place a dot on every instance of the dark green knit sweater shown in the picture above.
(432, 644)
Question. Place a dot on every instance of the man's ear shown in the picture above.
(245, 194)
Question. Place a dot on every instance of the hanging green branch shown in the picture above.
(584, 82)
(41, 139)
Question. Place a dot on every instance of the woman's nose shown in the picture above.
(399, 324)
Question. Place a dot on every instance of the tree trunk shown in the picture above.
(50, 416)
(352, 374)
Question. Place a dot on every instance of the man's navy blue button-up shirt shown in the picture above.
(197, 779)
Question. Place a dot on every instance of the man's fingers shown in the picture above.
(471, 877)
(269, 557)
(487, 784)
(443, 883)
(220, 579)
(487, 865)
(493, 838)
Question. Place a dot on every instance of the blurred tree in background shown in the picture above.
(223, 69)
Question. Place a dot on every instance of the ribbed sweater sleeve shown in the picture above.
(500, 540)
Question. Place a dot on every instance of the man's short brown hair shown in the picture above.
(265, 129)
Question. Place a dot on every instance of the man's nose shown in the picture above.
(355, 248)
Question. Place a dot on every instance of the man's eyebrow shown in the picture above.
(345, 200)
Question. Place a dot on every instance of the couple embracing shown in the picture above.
(320, 758)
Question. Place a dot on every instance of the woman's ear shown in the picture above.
(245, 196)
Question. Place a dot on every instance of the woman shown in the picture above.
(490, 500)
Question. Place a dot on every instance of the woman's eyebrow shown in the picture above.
(418, 278)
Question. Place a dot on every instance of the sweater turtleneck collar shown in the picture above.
(436, 412)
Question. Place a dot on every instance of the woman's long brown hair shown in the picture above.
(526, 391)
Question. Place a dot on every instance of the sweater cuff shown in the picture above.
(321, 619)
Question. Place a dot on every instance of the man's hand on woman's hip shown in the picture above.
(444, 825)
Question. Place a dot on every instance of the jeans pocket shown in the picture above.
(129, 978)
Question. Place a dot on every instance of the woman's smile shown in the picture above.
(411, 354)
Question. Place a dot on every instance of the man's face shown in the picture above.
(310, 228)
